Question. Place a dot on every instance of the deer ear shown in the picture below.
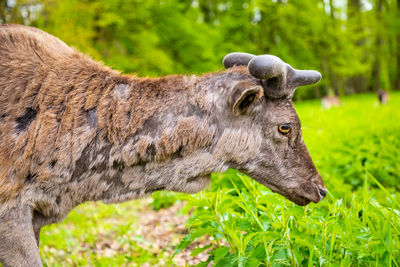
(244, 97)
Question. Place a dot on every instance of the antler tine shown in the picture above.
(303, 77)
(237, 58)
(266, 67)
(279, 78)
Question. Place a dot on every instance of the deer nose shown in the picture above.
(322, 192)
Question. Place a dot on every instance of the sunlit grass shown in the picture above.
(96, 234)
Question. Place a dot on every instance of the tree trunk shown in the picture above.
(398, 51)
(3, 6)
(332, 75)
(206, 8)
(378, 46)
(354, 18)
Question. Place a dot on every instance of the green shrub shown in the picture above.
(163, 199)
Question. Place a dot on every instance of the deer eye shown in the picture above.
(285, 128)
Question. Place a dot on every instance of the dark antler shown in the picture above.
(280, 79)
(237, 58)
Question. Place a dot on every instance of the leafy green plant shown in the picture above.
(262, 228)
(164, 199)
(96, 234)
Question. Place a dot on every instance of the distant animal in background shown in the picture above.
(330, 101)
(383, 96)
(73, 130)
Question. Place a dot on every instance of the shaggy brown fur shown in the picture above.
(41, 101)
(73, 130)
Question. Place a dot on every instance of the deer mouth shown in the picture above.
(302, 195)
(297, 199)
(305, 193)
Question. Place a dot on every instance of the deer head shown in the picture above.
(262, 132)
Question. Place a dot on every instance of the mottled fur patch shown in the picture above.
(24, 121)
(91, 117)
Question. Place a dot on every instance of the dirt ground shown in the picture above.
(164, 229)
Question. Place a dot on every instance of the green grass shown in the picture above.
(359, 135)
(96, 234)
(356, 148)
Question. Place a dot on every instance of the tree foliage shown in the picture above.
(354, 43)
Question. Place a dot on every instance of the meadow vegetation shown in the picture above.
(356, 148)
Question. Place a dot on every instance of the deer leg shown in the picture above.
(38, 221)
(18, 246)
(37, 235)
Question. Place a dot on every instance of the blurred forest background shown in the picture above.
(354, 43)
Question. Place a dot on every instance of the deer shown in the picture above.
(330, 101)
(383, 96)
(73, 130)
